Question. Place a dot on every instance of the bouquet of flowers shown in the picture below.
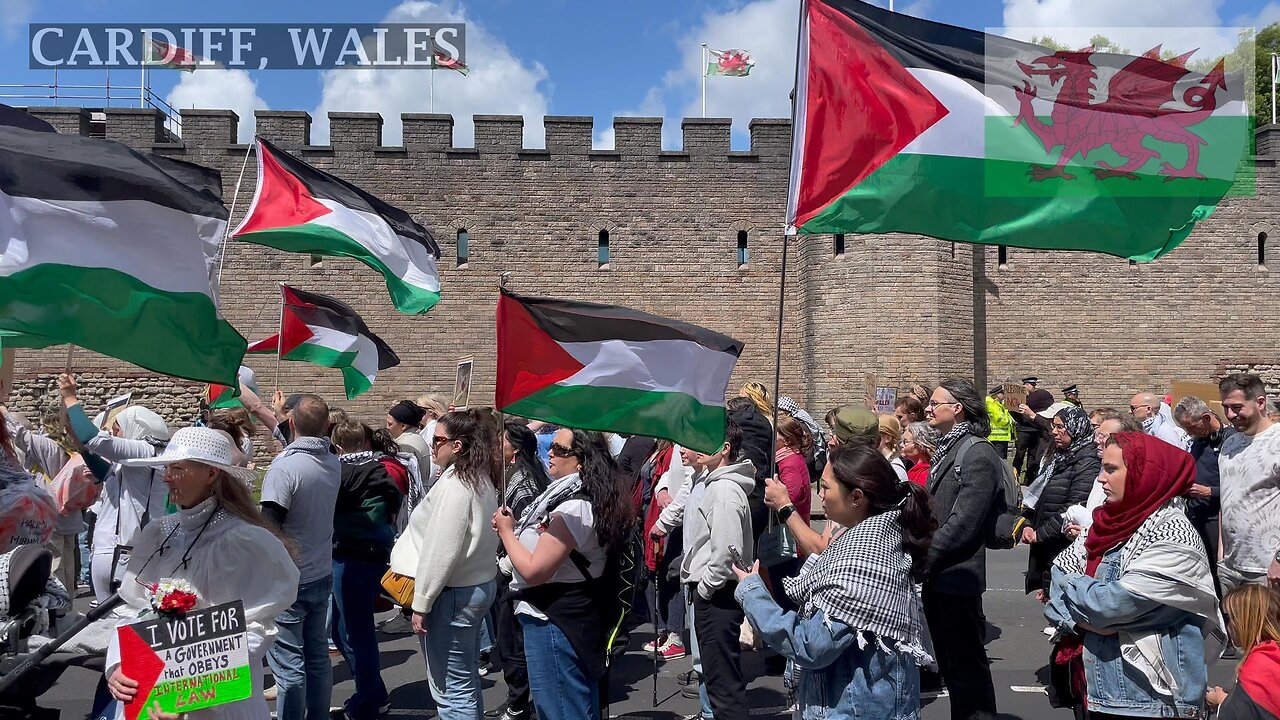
(172, 596)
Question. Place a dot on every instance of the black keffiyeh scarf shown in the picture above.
(863, 580)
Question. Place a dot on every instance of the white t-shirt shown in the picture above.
(1249, 470)
(579, 518)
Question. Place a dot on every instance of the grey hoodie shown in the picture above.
(722, 518)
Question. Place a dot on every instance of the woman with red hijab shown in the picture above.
(1135, 591)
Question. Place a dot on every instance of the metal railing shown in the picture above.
(100, 96)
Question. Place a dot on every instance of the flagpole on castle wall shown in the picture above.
(431, 83)
(226, 234)
(704, 79)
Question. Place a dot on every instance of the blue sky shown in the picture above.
(568, 57)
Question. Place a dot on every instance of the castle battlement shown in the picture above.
(704, 139)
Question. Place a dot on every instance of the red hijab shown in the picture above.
(1156, 472)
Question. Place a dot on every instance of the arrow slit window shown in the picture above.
(464, 246)
(743, 253)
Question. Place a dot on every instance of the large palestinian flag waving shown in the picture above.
(906, 125)
(112, 250)
(319, 329)
(603, 367)
(300, 209)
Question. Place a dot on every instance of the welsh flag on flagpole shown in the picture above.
(325, 331)
(451, 63)
(158, 52)
(729, 63)
(905, 125)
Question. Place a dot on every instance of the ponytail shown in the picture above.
(918, 524)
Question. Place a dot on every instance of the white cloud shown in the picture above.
(14, 16)
(220, 89)
(1178, 25)
(919, 8)
(498, 82)
(766, 29)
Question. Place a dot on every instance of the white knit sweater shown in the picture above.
(450, 540)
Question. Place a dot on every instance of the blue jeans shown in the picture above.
(355, 586)
(561, 690)
(299, 659)
(452, 650)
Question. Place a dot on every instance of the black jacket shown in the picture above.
(965, 501)
(1205, 452)
(757, 440)
(1073, 476)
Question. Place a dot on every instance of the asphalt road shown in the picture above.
(1019, 651)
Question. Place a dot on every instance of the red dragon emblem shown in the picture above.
(733, 62)
(1134, 110)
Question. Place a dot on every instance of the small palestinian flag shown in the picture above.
(905, 125)
(221, 396)
(300, 209)
(159, 52)
(609, 368)
(325, 331)
(450, 63)
(730, 63)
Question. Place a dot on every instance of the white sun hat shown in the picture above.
(198, 444)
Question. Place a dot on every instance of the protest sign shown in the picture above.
(1015, 395)
(187, 661)
(886, 399)
(1206, 391)
(462, 384)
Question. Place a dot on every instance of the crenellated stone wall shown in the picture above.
(905, 308)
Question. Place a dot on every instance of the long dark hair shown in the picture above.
(527, 461)
(862, 467)
(974, 404)
(605, 487)
(380, 440)
(480, 458)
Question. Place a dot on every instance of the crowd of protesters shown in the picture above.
(1153, 534)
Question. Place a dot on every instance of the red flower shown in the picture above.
(178, 601)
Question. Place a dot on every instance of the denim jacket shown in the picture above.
(839, 679)
(1113, 685)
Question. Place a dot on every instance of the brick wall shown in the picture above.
(906, 308)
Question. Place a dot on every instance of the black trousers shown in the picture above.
(509, 639)
(717, 622)
(958, 629)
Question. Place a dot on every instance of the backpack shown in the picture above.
(1004, 521)
(615, 590)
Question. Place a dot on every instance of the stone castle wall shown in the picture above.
(905, 308)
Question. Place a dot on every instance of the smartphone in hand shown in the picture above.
(737, 557)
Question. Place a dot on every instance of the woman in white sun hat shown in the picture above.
(220, 545)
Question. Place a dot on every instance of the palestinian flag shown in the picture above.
(609, 368)
(906, 125)
(159, 52)
(221, 396)
(300, 209)
(451, 63)
(115, 251)
(325, 331)
(730, 63)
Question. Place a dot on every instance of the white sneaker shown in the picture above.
(271, 693)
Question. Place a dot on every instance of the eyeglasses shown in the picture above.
(936, 403)
(560, 451)
(438, 440)
(1059, 426)
(1134, 408)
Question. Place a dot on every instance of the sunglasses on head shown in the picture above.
(560, 451)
